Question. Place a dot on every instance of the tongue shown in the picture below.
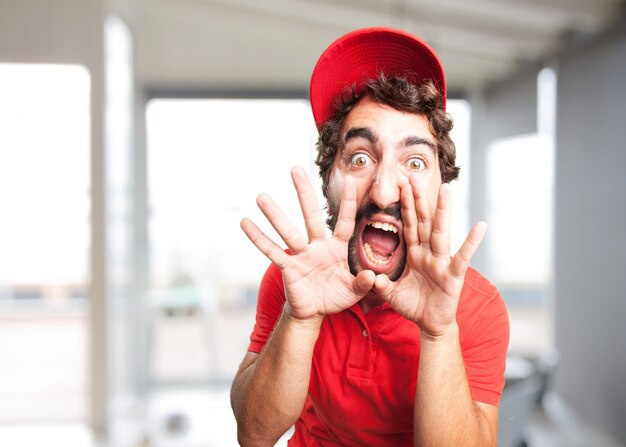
(383, 242)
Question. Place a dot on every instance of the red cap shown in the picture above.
(365, 53)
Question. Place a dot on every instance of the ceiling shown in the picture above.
(272, 45)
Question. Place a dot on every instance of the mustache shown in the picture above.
(370, 209)
(367, 210)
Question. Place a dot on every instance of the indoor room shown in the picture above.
(135, 136)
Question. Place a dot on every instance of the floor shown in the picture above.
(555, 425)
(43, 392)
(202, 418)
(191, 417)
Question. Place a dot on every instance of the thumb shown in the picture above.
(383, 287)
(363, 282)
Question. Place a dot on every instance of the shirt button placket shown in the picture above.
(359, 355)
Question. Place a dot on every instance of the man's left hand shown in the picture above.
(429, 289)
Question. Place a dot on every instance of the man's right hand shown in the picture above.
(315, 273)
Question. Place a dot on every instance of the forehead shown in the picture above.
(385, 121)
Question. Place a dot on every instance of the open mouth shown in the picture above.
(378, 247)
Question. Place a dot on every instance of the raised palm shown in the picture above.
(430, 286)
(315, 269)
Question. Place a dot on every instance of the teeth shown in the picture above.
(375, 257)
(384, 226)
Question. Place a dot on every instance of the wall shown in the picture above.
(71, 31)
(590, 234)
(590, 230)
(511, 106)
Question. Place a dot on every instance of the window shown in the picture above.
(44, 242)
(207, 161)
(520, 202)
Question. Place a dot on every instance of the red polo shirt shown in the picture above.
(364, 370)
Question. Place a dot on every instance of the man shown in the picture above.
(374, 336)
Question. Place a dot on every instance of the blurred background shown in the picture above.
(135, 134)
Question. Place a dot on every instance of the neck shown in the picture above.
(368, 301)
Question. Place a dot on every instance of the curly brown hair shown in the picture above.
(400, 94)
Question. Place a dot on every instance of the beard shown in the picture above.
(368, 210)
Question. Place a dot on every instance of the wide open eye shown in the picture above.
(416, 164)
(360, 160)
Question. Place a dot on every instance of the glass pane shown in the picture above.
(519, 244)
(520, 207)
(44, 242)
(207, 161)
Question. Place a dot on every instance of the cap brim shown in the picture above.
(364, 54)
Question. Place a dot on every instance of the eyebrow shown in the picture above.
(416, 141)
(360, 132)
(370, 135)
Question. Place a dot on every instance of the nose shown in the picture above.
(386, 185)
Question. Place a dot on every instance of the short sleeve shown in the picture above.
(484, 342)
(270, 302)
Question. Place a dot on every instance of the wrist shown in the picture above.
(309, 323)
(441, 335)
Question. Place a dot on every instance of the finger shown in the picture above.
(409, 216)
(281, 223)
(423, 208)
(363, 282)
(462, 259)
(265, 245)
(313, 218)
(382, 283)
(347, 211)
(440, 237)
(382, 287)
